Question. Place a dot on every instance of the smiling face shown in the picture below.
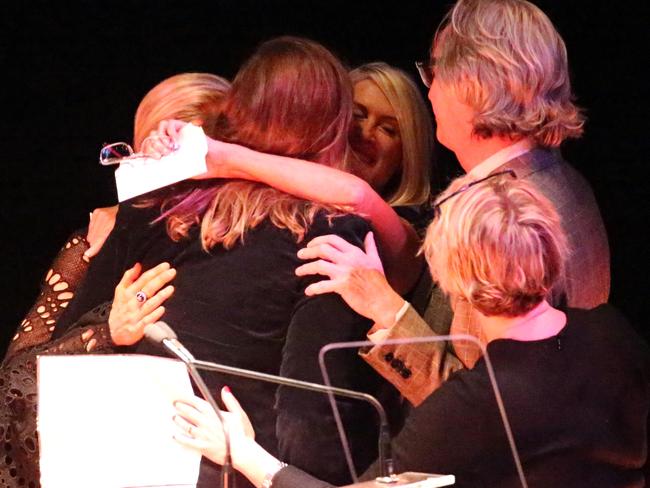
(375, 138)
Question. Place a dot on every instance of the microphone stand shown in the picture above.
(161, 333)
(226, 469)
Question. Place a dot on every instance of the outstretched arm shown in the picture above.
(397, 239)
(312, 181)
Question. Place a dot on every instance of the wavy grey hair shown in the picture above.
(506, 60)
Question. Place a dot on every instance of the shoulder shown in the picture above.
(131, 214)
(350, 227)
(603, 321)
(552, 175)
(604, 318)
(606, 328)
(603, 314)
(419, 216)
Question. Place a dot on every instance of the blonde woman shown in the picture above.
(391, 139)
(185, 96)
(575, 383)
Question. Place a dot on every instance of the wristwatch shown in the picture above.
(268, 478)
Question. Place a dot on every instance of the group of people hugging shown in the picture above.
(314, 224)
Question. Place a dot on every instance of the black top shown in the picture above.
(577, 403)
(246, 307)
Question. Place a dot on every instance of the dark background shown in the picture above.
(74, 72)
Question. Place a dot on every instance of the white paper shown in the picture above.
(141, 175)
(106, 421)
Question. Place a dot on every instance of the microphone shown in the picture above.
(161, 333)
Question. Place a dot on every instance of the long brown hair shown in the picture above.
(293, 98)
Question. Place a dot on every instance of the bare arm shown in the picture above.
(397, 239)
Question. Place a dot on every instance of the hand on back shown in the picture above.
(353, 273)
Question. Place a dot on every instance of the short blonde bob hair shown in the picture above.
(498, 244)
(506, 60)
(415, 127)
(186, 96)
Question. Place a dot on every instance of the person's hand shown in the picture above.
(199, 427)
(138, 302)
(102, 221)
(221, 159)
(354, 274)
(336, 251)
(164, 139)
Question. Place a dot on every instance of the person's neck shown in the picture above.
(541, 322)
(479, 149)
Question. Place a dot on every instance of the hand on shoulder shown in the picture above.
(355, 274)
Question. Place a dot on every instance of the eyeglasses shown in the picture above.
(436, 206)
(425, 70)
(121, 152)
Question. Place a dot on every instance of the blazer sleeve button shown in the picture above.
(398, 364)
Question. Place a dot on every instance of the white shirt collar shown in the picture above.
(501, 157)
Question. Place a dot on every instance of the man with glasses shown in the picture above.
(500, 91)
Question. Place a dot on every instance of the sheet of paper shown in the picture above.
(138, 176)
(106, 421)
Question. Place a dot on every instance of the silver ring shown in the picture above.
(141, 296)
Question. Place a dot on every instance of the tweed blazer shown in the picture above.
(585, 285)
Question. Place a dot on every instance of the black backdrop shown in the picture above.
(73, 73)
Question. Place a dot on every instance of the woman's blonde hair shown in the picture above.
(293, 98)
(186, 96)
(415, 127)
(506, 60)
(498, 244)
